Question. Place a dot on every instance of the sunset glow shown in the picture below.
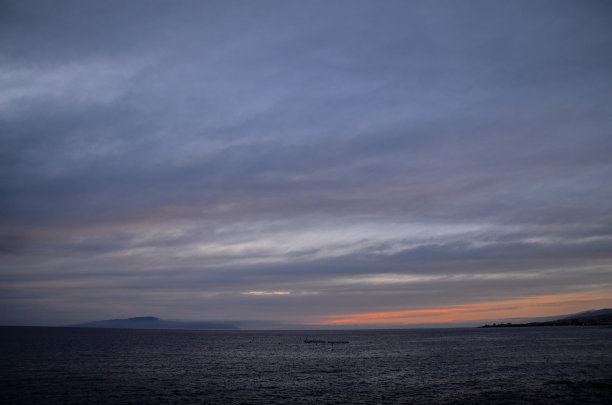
(524, 308)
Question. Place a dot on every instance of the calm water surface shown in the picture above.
(546, 365)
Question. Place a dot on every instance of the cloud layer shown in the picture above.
(303, 162)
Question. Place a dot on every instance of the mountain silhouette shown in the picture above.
(152, 322)
(587, 318)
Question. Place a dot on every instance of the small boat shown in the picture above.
(314, 341)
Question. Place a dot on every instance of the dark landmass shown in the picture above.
(588, 318)
(151, 322)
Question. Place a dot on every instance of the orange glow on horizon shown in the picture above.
(530, 307)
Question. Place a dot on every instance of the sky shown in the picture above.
(323, 163)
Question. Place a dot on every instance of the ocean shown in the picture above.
(540, 365)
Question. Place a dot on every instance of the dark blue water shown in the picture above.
(548, 365)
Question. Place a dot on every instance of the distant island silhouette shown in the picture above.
(588, 318)
(151, 322)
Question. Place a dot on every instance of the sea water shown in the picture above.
(545, 365)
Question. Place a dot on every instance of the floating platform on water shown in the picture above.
(333, 342)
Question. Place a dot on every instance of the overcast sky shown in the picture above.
(313, 162)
